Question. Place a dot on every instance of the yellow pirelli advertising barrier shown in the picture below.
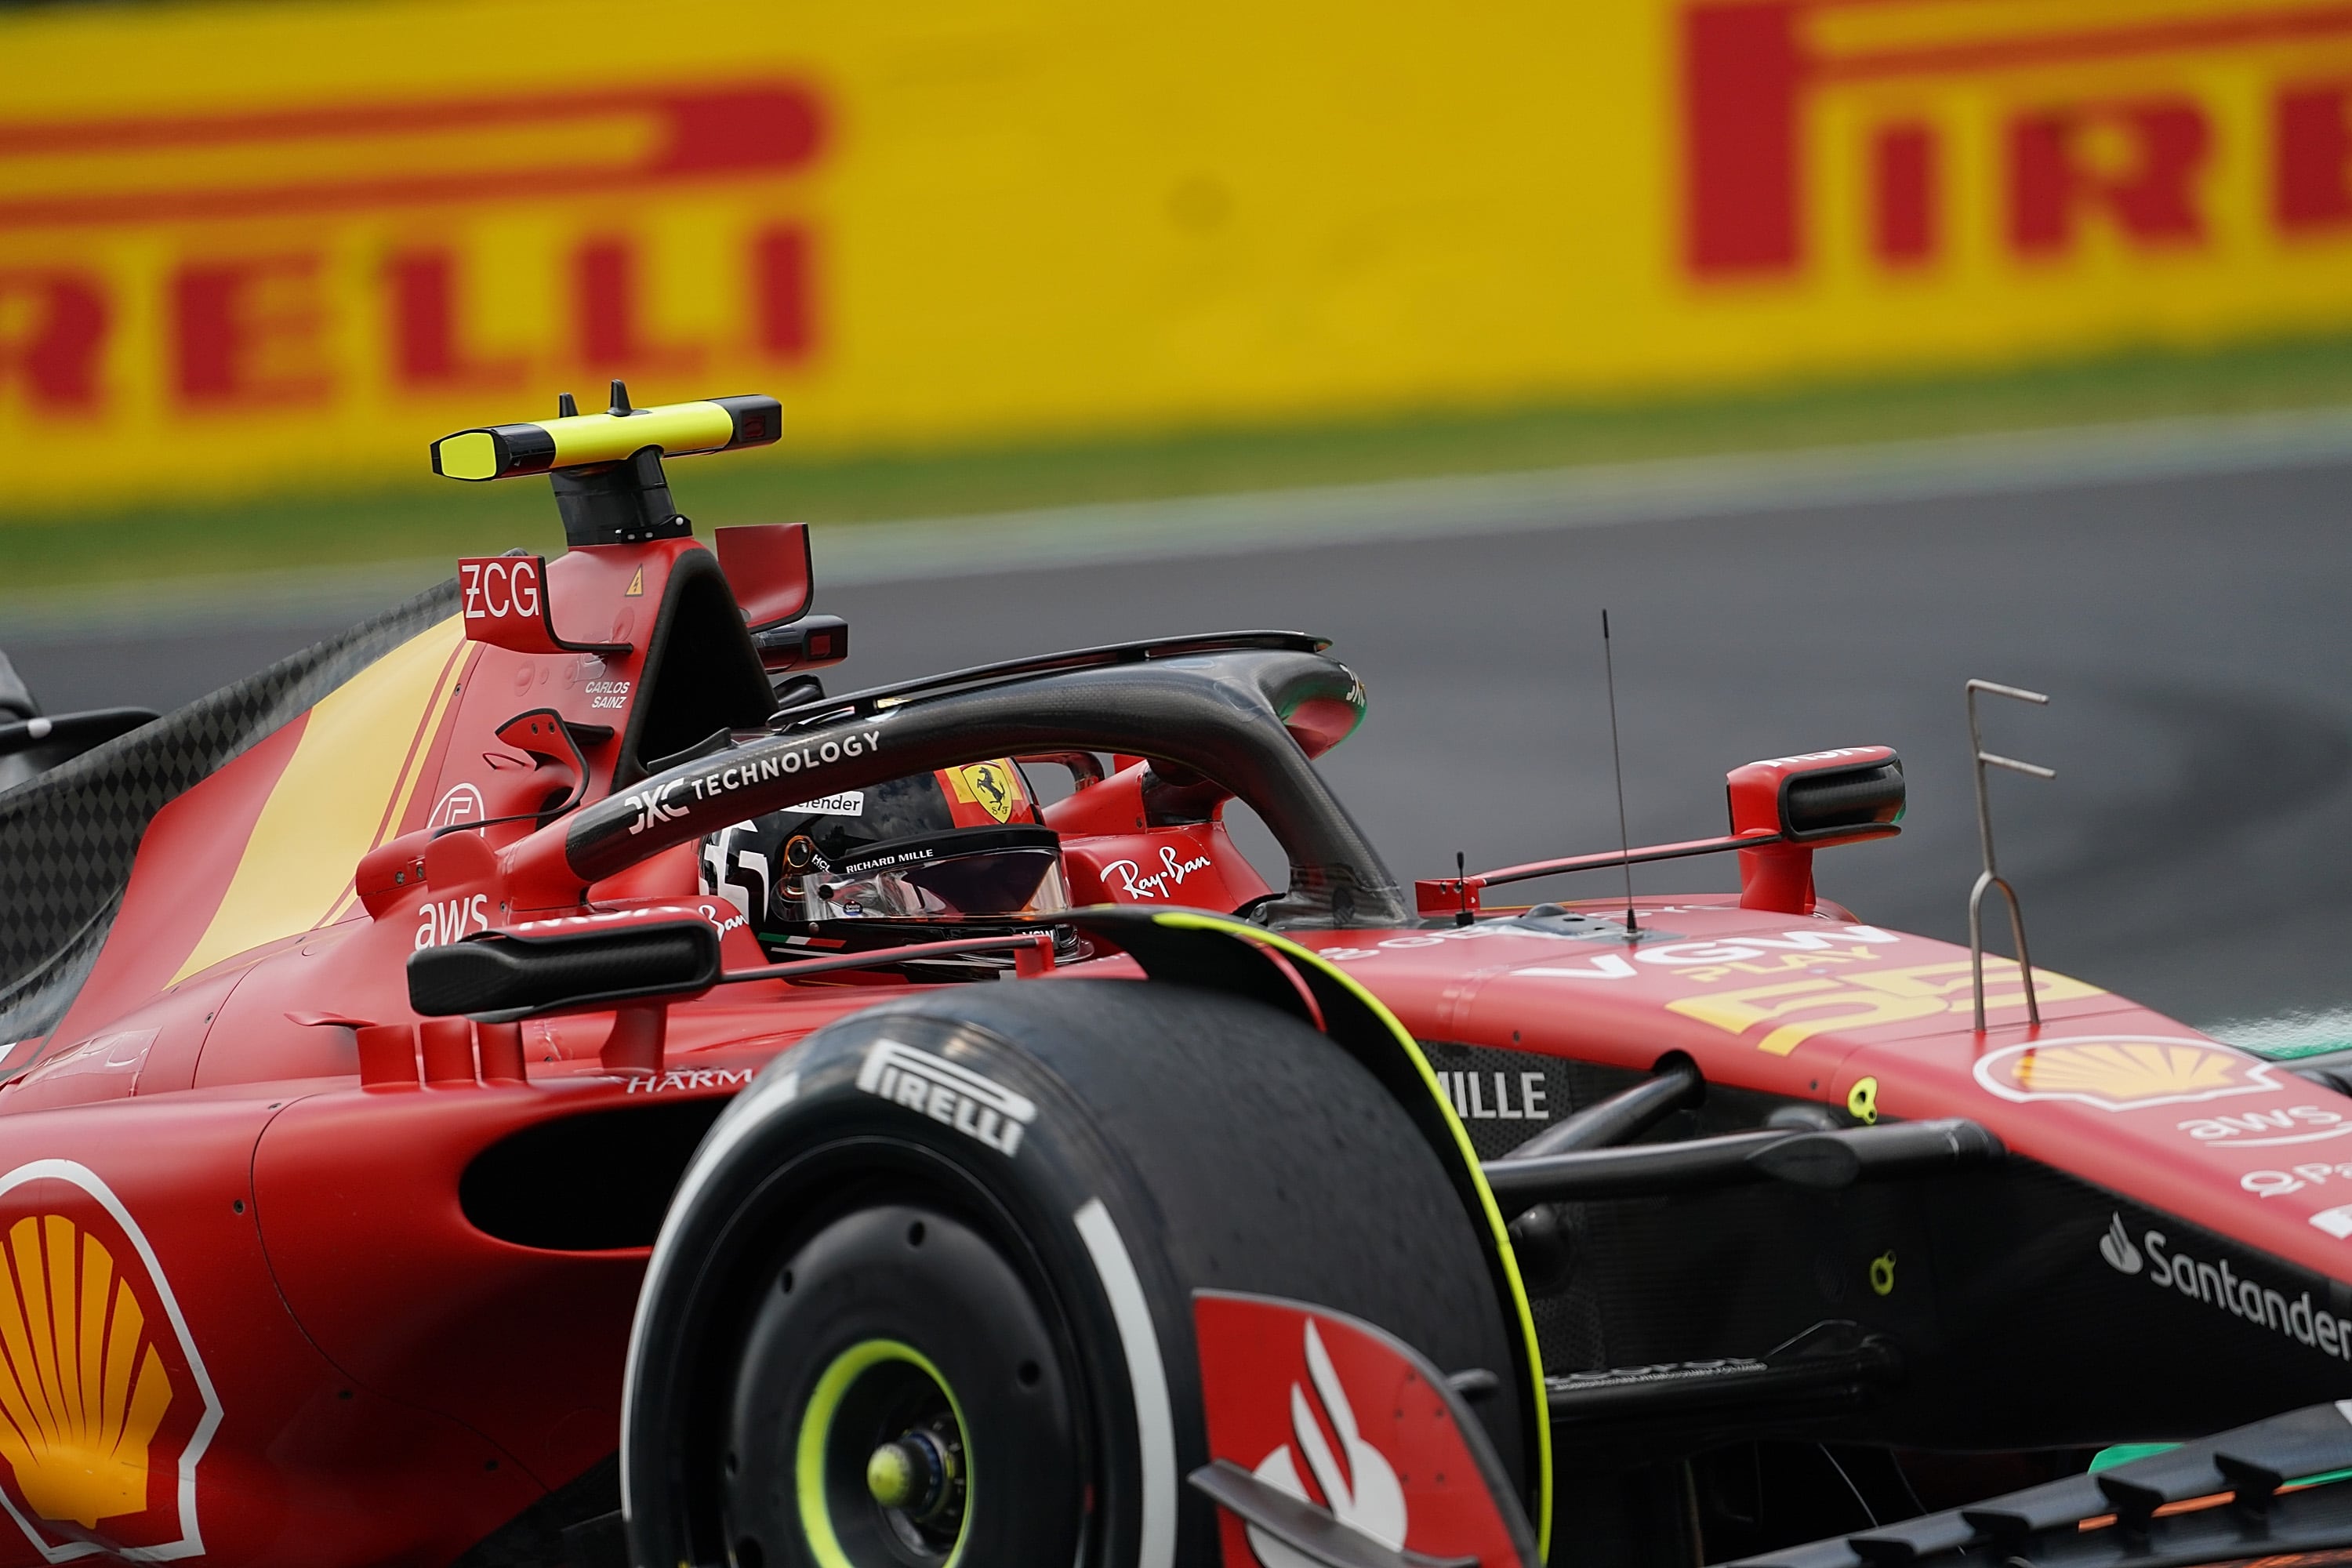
(283, 244)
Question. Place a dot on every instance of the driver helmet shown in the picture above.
(959, 850)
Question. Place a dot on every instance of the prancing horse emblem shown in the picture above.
(990, 788)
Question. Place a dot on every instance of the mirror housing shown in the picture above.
(1806, 803)
(1821, 797)
(503, 975)
(809, 643)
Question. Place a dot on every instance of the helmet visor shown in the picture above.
(989, 873)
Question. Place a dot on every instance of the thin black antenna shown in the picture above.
(1617, 761)
(1462, 888)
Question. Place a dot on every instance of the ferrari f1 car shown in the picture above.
(536, 1079)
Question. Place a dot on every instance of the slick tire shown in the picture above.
(925, 1296)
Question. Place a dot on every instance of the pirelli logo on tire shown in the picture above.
(954, 1096)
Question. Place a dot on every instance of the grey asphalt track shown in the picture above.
(2195, 851)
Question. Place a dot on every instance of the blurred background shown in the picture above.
(1842, 349)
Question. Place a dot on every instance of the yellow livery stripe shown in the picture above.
(357, 755)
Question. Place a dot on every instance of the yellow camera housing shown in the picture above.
(607, 467)
(580, 440)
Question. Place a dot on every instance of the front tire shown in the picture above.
(1080, 1158)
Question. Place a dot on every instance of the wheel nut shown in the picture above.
(890, 1475)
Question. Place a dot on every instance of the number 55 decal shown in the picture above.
(1799, 1009)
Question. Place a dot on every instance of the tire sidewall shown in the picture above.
(771, 1171)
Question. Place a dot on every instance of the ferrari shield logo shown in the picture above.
(989, 786)
(105, 1407)
(2123, 1072)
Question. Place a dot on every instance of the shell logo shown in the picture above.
(105, 1405)
(2123, 1072)
(78, 1426)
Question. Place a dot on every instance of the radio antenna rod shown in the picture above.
(1617, 761)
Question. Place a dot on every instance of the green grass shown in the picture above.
(426, 517)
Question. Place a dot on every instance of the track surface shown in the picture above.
(2195, 851)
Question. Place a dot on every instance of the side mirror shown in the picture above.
(1798, 804)
(803, 643)
(500, 976)
(1820, 797)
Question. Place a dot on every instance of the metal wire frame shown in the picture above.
(1991, 877)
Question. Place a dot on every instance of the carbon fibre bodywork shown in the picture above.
(72, 833)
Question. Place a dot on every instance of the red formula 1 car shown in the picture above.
(536, 1081)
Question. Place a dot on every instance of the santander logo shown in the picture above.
(2116, 1247)
(1357, 1483)
(1345, 1419)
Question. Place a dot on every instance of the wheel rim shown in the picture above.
(883, 1439)
(899, 1402)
